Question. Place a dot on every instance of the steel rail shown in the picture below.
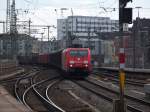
(31, 73)
(131, 82)
(47, 96)
(104, 96)
(49, 103)
(117, 92)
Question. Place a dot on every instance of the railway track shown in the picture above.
(49, 99)
(37, 90)
(130, 74)
(115, 78)
(43, 96)
(27, 77)
(133, 104)
(30, 95)
(12, 78)
(24, 74)
(61, 94)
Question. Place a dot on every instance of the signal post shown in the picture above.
(125, 17)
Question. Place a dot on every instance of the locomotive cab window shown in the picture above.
(78, 53)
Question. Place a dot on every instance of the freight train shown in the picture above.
(75, 61)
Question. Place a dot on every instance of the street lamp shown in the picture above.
(138, 10)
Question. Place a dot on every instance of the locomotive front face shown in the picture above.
(78, 60)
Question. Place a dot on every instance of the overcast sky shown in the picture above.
(43, 11)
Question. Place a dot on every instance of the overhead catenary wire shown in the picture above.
(28, 1)
(31, 9)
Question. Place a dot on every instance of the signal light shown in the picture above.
(124, 2)
(86, 65)
(127, 15)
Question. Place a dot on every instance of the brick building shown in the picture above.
(141, 43)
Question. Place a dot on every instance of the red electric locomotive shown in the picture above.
(76, 61)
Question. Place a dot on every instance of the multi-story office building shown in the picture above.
(84, 26)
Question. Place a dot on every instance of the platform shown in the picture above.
(9, 103)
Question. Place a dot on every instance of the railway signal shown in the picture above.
(125, 16)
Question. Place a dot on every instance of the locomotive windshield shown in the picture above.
(79, 53)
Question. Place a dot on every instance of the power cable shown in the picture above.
(28, 1)
(42, 20)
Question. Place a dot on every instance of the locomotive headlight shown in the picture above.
(85, 62)
(71, 62)
(70, 65)
(86, 65)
